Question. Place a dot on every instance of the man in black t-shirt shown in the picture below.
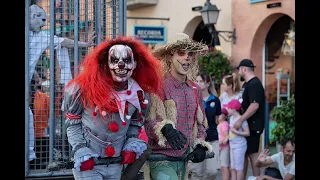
(253, 110)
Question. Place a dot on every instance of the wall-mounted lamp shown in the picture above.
(210, 14)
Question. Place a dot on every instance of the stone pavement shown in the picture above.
(219, 176)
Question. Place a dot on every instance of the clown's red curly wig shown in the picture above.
(96, 83)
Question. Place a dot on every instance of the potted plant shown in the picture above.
(284, 115)
(216, 64)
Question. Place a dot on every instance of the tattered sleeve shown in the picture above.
(156, 119)
(74, 109)
(200, 130)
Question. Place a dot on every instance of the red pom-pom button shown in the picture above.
(94, 113)
(110, 151)
(143, 106)
(140, 113)
(129, 92)
(113, 126)
(124, 123)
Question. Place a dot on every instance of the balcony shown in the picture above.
(136, 4)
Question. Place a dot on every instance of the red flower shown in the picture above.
(113, 126)
(129, 92)
(94, 113)
(109, 150)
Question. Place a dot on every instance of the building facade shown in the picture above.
(261, 27)
(178, 16)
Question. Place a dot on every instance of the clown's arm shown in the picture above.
(134, 145)
(74, 108)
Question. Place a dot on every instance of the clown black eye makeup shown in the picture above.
(127, 59)
(114, 59)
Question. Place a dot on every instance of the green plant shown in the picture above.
(216, 64)
(284, 115)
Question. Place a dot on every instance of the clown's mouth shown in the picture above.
(121, 72)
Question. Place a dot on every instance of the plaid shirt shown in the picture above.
(185, 100)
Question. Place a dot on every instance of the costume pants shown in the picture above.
(167, 170)
(99, 172)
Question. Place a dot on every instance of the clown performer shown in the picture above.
(176, 124)
(106, 105)
(39, 41)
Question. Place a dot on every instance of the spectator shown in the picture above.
(224, 149)
(237, 140)
(253, 110)
(230, 88)
(284, 159)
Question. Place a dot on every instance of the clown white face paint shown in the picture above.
(183, 61)
(121, 62)
(38, 18)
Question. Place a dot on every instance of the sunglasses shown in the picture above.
(183, 53)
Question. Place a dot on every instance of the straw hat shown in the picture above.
(180, 41)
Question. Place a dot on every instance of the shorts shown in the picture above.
(253, 142)
(237, 157)
(224, 155)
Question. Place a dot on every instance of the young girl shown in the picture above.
(224, 151)
(237, 140)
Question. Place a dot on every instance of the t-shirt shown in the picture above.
(225, 98)
(237, 141)
(254, 92)
(224, 126)
(212, 109)
(279, 159)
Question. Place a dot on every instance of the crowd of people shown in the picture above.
(127, 100)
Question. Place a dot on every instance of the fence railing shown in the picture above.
(52, 59)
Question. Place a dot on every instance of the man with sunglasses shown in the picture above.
(177, 127)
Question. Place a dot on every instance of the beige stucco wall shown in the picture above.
(252, 22)
(182, 18)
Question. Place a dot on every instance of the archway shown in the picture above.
(202, 34)
(198, 31)
(192, 25)
(266, 53)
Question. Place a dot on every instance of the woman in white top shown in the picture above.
(230, 89)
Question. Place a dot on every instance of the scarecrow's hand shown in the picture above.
(175, 138)
(198, 154)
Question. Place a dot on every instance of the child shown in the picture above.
(224, 151)
(237, 140)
